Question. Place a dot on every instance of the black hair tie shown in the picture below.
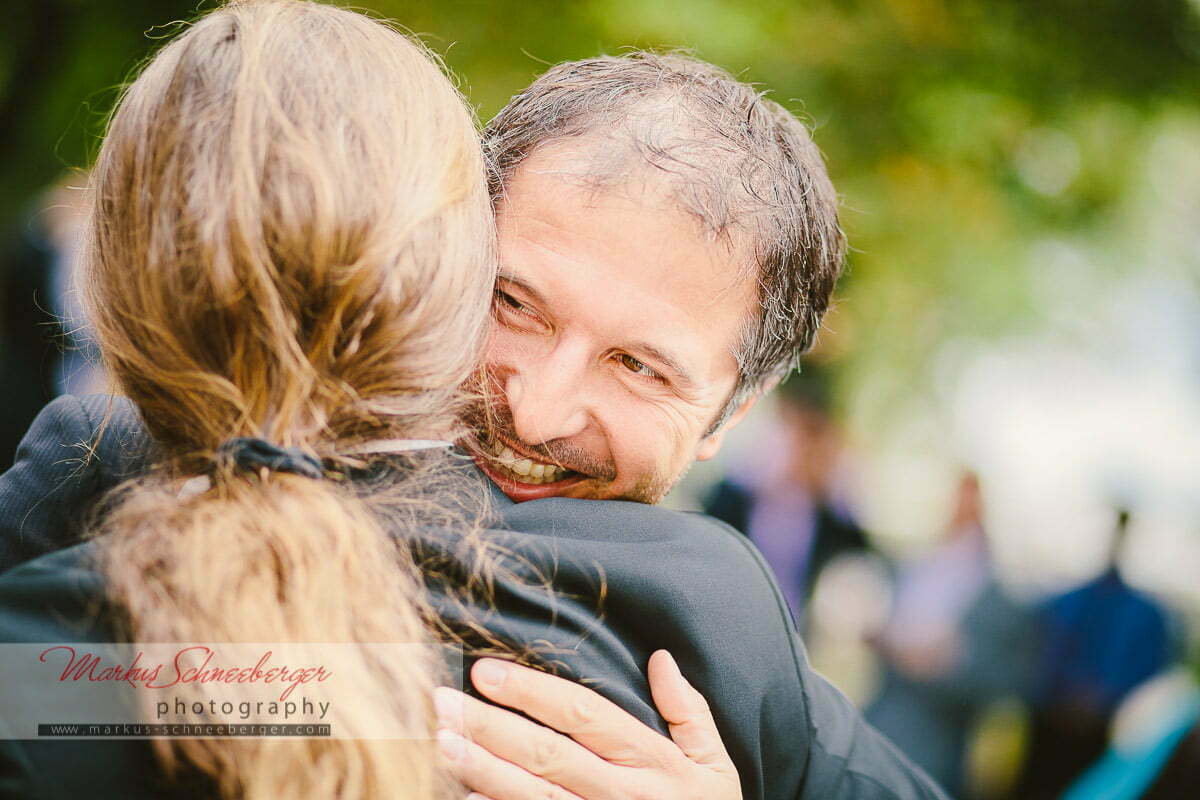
(256, 454)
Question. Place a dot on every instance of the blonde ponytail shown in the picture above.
(290, 240)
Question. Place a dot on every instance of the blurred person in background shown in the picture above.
(1155, 745)
(953, 644)
(1099, 641)
(791, 501)
(1179, 776)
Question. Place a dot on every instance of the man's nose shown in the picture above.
(547, 398)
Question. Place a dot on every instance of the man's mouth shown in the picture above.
(515, 467)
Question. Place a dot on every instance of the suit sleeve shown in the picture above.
(44, 495)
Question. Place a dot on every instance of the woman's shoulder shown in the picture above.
(58, 600)
(76, 449)
(54, 597)
(97, 430)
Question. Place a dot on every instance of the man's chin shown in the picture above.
(520, 492)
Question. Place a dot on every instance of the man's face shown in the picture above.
(611, 354)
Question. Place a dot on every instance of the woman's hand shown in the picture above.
(605, 754)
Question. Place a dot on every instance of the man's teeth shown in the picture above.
(525, 469)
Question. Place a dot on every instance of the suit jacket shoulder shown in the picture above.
(76, 449)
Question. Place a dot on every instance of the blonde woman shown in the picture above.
(289, 224)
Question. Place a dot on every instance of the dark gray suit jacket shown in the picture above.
(683, 582)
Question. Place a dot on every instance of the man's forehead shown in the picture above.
(552, 196)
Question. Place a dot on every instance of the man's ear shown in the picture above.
(711, 444)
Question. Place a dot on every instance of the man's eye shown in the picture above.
(508, 304)
(633, 365)
(508, 301)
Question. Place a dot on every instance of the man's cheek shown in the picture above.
(676, 431)
(511, 351)
(639, 453)
(499, 344)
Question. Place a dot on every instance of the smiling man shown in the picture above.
(668, 244)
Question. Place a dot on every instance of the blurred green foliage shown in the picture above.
(957, 132)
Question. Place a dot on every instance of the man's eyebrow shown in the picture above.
(667, 360)
(523, 285)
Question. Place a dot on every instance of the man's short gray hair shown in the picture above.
(740, 163)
